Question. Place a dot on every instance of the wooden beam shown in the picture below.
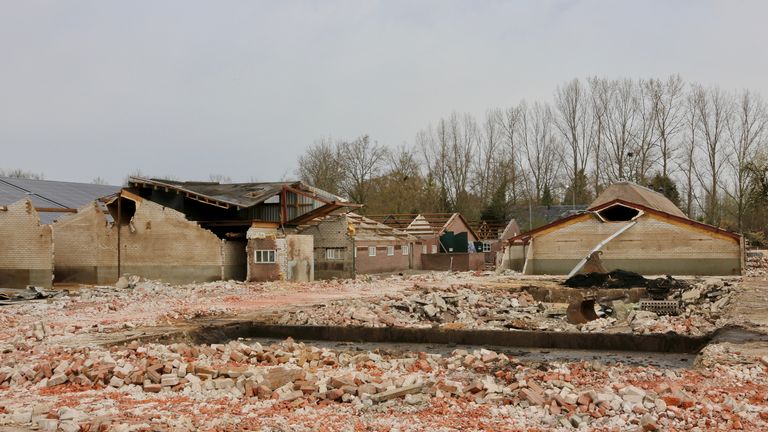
(131, 196)
(306, 194)
(55, 210)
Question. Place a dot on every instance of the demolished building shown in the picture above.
(446, 240)
(28, 207)
(633, 228)
(349, 244)
(493, 236)
(177, 232)
(255, 222)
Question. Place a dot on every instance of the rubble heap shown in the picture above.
(452, 307)
(294, 376)
(702, 301)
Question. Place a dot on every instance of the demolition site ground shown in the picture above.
(431, 351)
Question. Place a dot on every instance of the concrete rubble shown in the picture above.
(74, 363)
(473, 307)
(116, 386)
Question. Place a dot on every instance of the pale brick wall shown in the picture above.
(26, 247)
(161, 243)
(158, 243)
(656, 245)
(85, 247)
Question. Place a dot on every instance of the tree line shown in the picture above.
(703, 147)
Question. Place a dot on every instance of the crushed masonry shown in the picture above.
(71, 363)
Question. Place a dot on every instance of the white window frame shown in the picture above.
(334, 254)
(486, 247)
(434, 249)
(264, 256)
(371, 251)
(390, 250)
(406, 249)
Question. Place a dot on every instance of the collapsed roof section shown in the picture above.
(423, 225)
(363, 228)
(215, 204)
(492, 230)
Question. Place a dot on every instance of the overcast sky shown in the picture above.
(189, 88)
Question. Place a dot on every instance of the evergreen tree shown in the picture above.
(666, 186)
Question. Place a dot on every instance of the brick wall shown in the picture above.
(381, 263)
(234, 260)
(160, 243)
(26, 247)
(293, 256)
(654, 246)
(85, 248)
(260, 271)
(453, 261)
(157, 243)
(332, 233)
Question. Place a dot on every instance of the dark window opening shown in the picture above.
(126, 207)
(618, 213)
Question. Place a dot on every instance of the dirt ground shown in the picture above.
(87, 361)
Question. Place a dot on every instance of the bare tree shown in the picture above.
(644, 135)
(509, 120)
(540, 148)
(448, 152)
(361, 160)
(620, 114)
(747, 133)
(667, 109)
(321, 166)
(688, 161)
(219, 178)
(98, 181)
(572, 108)
(487, 157)
(433, 144)
(21, 174)
(600, 95)
(713, 112)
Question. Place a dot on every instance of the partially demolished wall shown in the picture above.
(85, 248)
(155, 242)
(160, 243)
(333, 234)
(26, 247)
(292, 256)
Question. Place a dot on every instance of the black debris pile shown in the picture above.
(10, 295)
(657, 288)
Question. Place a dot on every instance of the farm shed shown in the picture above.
(656, 238)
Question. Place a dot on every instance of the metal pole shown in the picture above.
(530, 215)
(119, 223)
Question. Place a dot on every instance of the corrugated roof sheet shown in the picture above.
(634, 193)
(52, 194)
(237, 194)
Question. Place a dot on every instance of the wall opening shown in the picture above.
(618, 213)
(127, 209)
